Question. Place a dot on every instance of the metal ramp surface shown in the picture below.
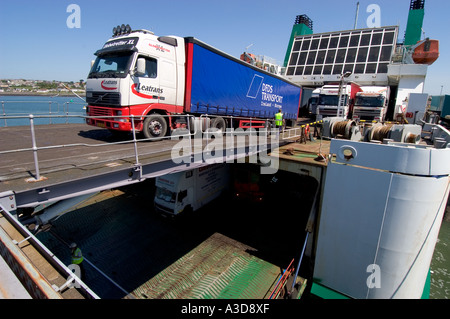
(219, 268)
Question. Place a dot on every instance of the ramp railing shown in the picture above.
(187, 132)
(18, 111)
(35, 284)
(282, 281)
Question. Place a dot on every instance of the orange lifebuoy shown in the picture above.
(307, 129)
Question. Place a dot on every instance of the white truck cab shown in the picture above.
(136, 69)
(371, 104)
(328, 102)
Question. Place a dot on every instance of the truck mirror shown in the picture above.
(92, 63)
(140, 67)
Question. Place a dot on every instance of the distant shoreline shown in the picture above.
(39, 94)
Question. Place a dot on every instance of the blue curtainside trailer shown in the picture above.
(219, 84)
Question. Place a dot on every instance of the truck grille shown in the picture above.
(99, 111)
(103, 98)
(328, 112)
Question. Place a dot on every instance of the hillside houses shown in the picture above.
(40, 87)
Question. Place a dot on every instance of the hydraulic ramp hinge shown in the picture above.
(8, 202)
(136, 172)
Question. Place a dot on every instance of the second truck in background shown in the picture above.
(367, 103)
(371, 103)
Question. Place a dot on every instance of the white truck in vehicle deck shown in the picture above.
(328, 103)
(371, 104)
(190, 190)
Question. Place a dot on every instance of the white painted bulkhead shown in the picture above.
(410, 79)
(380, 219)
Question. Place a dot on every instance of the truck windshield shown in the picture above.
(313, 100)
(328, 100)
(115, 65)
(165, 195)
(375, 101)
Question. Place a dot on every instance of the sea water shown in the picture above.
(15, 110)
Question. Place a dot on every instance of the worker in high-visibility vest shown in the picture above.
(279, 118)
(279, 121)
(77, 257)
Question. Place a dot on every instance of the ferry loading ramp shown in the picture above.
(68, 160)
(66, 166)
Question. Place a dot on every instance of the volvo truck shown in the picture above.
(156, 84)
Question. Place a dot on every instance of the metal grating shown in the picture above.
(219, 268)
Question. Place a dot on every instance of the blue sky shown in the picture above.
(35, 42)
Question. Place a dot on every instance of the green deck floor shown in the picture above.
(219, 268)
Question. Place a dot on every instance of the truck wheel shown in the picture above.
(155, 126)
(218, 124)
